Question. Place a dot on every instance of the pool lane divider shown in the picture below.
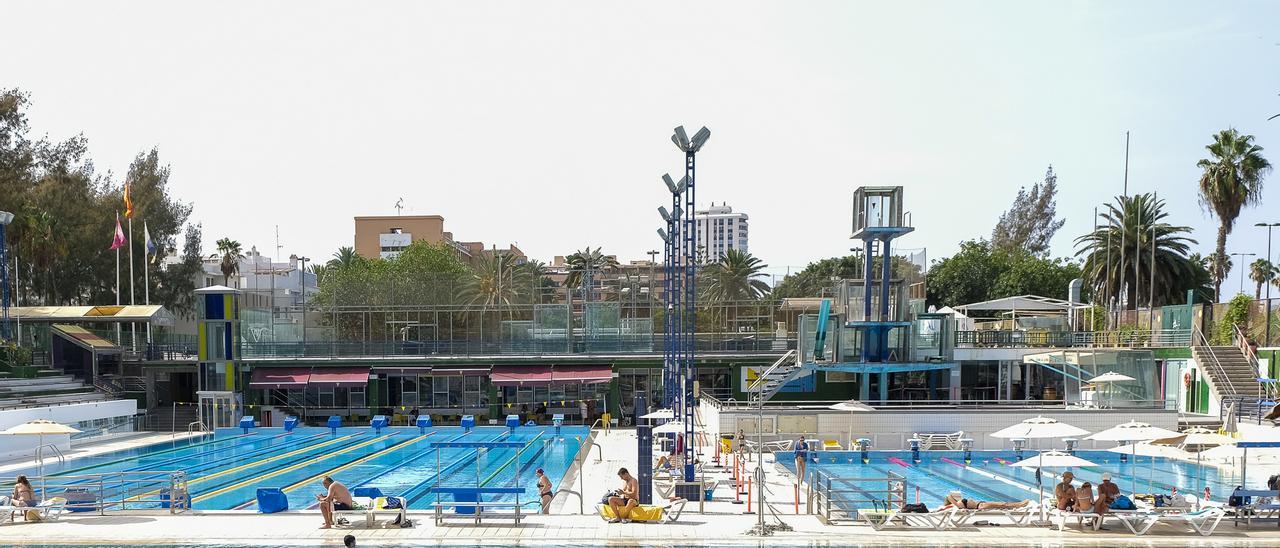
(242, 467)
(161, 452)
(298, 484)
(512, 459)
(406, 463)
(899, 462)
(290, 468)
(411, 494)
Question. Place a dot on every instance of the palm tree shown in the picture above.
(733, 280)
(582, 267)
(1232, 179)
(494, 280)
(344, 257)
(1218, 267)
(1261, 272)
(45, 248)
(230, 252)
(1134, 220)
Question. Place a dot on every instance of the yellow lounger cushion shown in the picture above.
(639, 513)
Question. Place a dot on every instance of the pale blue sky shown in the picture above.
(547, 123)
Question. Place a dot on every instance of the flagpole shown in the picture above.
(146, 278)
(133, 326)
(117, 281)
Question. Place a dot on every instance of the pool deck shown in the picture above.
(99, 447)
(722, 523)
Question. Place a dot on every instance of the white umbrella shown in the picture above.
(852, 406)
(1151, 450)
(660, 414)
(1109, 377)
(41, 428)
(673, 427)
(1133, 431)
(1053, 459)
(1040, 428)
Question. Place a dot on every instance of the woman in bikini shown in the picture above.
(544, 491)
(955, 500)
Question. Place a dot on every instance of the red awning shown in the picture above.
(280, 377)
(581, 374)
(340, 377)
(521, 375)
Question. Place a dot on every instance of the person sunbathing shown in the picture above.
(955, 500)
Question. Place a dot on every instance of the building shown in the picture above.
(385, 236)
(272, 294)
(719, 230)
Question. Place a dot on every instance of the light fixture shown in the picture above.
(5, 217)
(680, 139)
(700, 138)
(666, 216)
(663, 234)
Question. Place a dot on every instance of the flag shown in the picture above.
(148, 243)
(117, 241)
(128, 202)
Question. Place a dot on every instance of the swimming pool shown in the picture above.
(990, 476)
(225, 470)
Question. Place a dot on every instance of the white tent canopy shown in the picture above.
(1029, 303)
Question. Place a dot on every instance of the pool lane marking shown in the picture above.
(161, 452)
(899, 462)
(357, 462)
(290, 468)
(406, 463)
(508, 463)
(214, 475)
(411, 494)
(998, 478)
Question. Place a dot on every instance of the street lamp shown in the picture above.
(5, 218)
(1268, 226)
(1242, 266)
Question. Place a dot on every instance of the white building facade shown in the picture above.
(719, 230)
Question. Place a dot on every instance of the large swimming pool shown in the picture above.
(990, 476)
(225, 470)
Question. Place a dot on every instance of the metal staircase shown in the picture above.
(767, 385)
(1231, 372)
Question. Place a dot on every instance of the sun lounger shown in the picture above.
(1137, 522)
(1203, 521)
(46, 510)
(940, 440)
(668, 512)
(831, 445)
(1017, 516)
(371, 507)
(884, 519)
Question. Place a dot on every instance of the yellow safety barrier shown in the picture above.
(286, 469)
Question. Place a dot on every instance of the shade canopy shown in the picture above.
(851, 406)
(339, 377)
(40, 427)
(673, 427)
(517, 375)
(1197, 438)
(660, 414)
(1108, 377)
(1039, 428)
(1022, 302)
(280, 378)
(1151, 450)
(1053, 459)
(581, 374)
(1132, 431)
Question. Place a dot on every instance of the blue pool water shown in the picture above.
(225, 470)
(989, 476)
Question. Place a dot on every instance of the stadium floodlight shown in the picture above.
(699, 139)
(666, 215)
(663, 234)
(671, 185)
(683, 184)
(680, 139)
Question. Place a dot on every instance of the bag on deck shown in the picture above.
(1123, 503)
(916, 508)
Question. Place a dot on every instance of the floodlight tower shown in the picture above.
(671, 299)
(688, 250)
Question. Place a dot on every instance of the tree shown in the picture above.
(176, 283)
(1135, 221)
(1218, 266)
(344, 257)
(586, 261)
(230, 252)
(734, 278)
(495, 280)
(1261, 272)
(1032, 220)
(978, 272)
(1231, 180)
(819, 276)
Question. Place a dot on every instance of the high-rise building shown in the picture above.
(719, 230)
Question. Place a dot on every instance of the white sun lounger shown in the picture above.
(1017, 516)
(884, 519)
(370, 513)
(46, 510)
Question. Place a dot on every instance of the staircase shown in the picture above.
(48, 388)
(767, 385)
(1232, 373)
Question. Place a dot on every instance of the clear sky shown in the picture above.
(547, 123)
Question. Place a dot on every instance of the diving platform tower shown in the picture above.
(874, 332)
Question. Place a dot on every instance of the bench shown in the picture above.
(468, 504)
(1255, 508)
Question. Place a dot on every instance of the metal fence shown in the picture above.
(1134, 338)
(834, 498)
(154, 489)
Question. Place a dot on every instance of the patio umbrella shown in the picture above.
(659, 414)
(41, 428)
(1129, 432)
(673, 427)
(1109, 378)
(1040, 428)
(1151, 450)
(852, 406)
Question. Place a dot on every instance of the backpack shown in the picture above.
(916, 508)
(1237, 500)
(1123, 503)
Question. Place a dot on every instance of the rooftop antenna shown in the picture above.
(399, 206)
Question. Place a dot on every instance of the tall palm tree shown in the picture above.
(733, 280)
(231, 253)
(1261, 272)
(494, 280)
(1231, 179)
(1135, 220)
(344, 257)
(582, 268)
(1218, 267)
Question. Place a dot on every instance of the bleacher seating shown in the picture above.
(48, 389)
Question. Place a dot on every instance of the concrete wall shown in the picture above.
(890, 429)
(73, 414)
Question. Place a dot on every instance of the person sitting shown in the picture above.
(335, 497)
(1064, 493)
(1107, 493)
(23, 494)
(626, 499)
(1084, 497)
(955, 500)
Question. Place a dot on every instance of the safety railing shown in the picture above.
(1227, 388)
(1245, 408)
(133, 490)
(731, 405)
(1241, 340)
(834, 498)
(1137, 338)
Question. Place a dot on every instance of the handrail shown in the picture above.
(116, 490)
(203, 427)
(761, 379)
(1241, 340)
(1222, 372)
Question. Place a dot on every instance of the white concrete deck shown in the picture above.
(92, 448)
(723, 522)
